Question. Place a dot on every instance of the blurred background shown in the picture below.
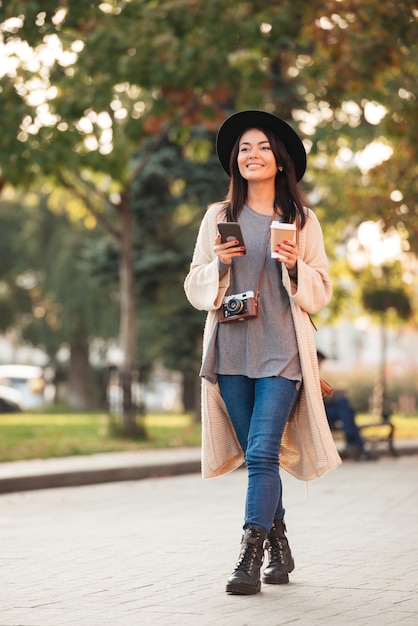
(109, 112)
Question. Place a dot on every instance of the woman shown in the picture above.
(261, 398)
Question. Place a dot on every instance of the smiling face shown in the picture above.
(256, 161)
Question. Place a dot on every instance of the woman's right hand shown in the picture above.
(226, 251)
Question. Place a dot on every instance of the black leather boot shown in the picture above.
(245, 580)
(281, 562)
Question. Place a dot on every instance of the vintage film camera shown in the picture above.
(237, 307)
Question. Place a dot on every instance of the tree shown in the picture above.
(189, 69)
(48, 293)
(105, 79)
(15, 301)
(361, 83)
(169, 200)
(387, 299)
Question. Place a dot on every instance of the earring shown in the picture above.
(280, 168)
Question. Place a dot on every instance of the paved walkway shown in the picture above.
(97, 468)
(119, 466)
(159, 550)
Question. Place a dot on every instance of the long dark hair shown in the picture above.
(288, 196)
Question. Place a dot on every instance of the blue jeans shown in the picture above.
(259, 409)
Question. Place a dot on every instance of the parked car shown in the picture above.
(10, 400)
(27, 380)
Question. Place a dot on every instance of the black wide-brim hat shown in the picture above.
(237, 123)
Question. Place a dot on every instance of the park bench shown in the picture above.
(379, 431)
(375, 433)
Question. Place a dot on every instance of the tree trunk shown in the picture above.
(191, 393)
(127, 290)
(188, 395)
(81, 392)
(128, 321)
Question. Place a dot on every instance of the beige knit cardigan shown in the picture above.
(307, 449)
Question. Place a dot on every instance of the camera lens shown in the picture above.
(234, 306)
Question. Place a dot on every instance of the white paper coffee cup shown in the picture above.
(279, 233)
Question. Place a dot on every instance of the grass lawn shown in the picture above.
(405, 427)
(44, 435)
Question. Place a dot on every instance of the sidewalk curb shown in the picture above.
(31, 478)
(95, 477)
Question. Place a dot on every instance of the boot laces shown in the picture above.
(277, 551)
(247, 557)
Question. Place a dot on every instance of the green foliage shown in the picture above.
(130, 106)
(381, 300)
(180, 62)
(366, 53)
(47, 292)
(184, 62)
(384, 294)
(14, 298)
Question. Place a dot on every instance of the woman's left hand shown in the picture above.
(289, 252)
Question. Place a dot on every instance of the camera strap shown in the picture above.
(260, 278)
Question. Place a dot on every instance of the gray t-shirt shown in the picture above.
(262, 346)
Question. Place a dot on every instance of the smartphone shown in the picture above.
(231, 231)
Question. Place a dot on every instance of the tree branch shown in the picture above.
(83, 191)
